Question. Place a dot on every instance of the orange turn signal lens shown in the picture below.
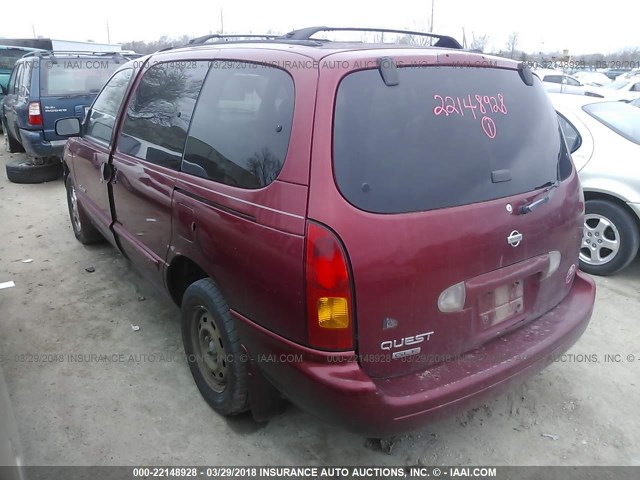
(333, 312)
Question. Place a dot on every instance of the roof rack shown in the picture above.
(444, 41)
(226, 38)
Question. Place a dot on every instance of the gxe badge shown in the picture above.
(514, 238)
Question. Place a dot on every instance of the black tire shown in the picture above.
(83, 229)
(25, 171)
(206, 320)
(11, 145)
(606, 221)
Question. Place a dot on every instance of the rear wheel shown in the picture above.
(26, 171)
(83, 229)
(610, 239)
(213, 348)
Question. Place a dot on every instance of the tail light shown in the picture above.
(35, 115)
(329, 299)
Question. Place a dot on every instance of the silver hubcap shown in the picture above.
(600, 240)
(75, 215)
(210, 351)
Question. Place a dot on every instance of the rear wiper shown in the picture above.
(531, 206)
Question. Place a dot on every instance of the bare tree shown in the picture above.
(480, 42)
(512, 43)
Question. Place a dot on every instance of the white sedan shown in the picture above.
(624, 89)
(594, 79)
(604, 139)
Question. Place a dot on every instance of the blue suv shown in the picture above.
(45, 86)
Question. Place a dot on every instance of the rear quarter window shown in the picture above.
(241, 127)
(443, 137)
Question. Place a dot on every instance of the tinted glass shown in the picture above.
(105, 108)
(572, 81)
(241, 127)
(158, 115)
(620, 117)
(443, 137)
(571, 134)
(75, 76)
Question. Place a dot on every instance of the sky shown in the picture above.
(543, 25)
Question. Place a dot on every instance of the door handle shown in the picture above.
(107, 172)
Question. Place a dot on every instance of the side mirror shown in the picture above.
(68, 127)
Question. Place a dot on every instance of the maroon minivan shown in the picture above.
(381, 233)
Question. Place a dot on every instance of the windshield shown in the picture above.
(75, 76)
(443, 137)
(620, 117)
(617, 85)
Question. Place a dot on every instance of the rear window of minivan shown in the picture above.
(75, 76)
(442, 137)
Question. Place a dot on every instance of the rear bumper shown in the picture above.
(36, 145)
(335, 388)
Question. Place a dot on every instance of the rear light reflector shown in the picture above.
(328, 285)
(452, 299)
(35, 115)
(554, 262)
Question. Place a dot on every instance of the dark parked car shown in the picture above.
(9, 55)
(371, 231)
(45, 86)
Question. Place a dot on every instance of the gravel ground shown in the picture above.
(146, 408)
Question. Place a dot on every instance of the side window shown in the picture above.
(12, 81)
(573, 82)
(159, 113)
(18, 79)
(636, 88)
(241, 126)
(553, 78)
(100, 123)
(25, 81)
(571, 135)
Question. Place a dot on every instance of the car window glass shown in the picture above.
(636, 87)
(571, 135)
(12, 80)
(241, 126)
(619, 117)
(16, 86)
(553, 78)
(99, 125)
(25, 81)
(430, 142)
(573, 82)
(159, 113)
(75, 76)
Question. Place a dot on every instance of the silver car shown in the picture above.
(604, 140)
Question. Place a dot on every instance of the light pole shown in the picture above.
(432, 2)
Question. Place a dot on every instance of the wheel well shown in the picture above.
(181, 273)
(614, 200)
